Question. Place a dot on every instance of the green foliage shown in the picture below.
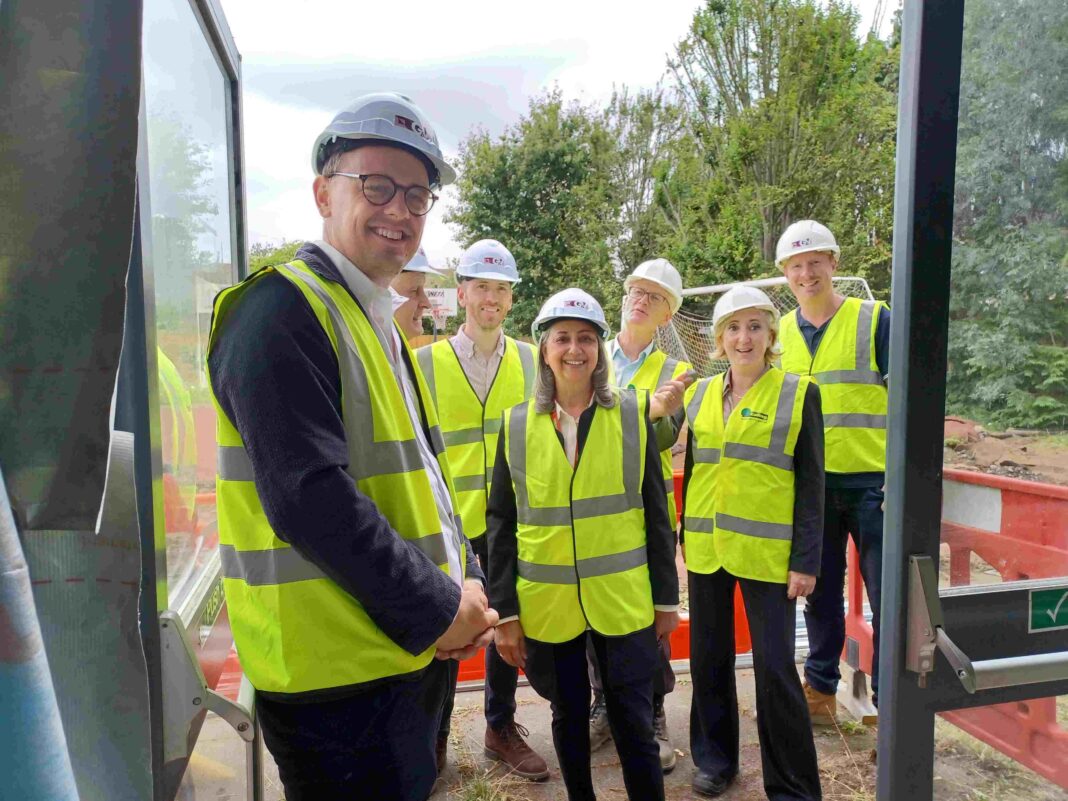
(1009, 316)
(545, 190)
(265, 255)
(792, 116)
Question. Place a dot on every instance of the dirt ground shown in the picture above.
(1030, 455)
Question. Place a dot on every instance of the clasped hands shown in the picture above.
(472, 628)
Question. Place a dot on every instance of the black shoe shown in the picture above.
(710, 786)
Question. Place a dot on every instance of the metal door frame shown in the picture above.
(985, 622)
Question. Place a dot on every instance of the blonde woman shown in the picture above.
(752, 515)
(581, 547)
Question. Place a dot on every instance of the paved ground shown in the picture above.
(216, 769)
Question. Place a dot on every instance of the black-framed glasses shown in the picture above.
(637, 293)
(380, 189)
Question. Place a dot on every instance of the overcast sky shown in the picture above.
(468, 64)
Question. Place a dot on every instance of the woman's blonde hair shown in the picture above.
(774, 349)
(545, 384)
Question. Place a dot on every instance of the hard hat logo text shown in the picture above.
(800, 243)
(414, 127)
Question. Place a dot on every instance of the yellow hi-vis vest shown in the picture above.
(739, 506)
(470, 427)
(852, 389)
(295, 629)
(581, 532)
(657, 369)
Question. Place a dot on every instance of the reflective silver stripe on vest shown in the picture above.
(862, 372)
(755, 528)
(464, 436)
(526, 358)
(632, 455)
(666, 372)
(517, 462)
(232, 463)
(706, 455)
(784, 412)
(469, 483)
(612, 563)
(367, 458)
(493, 425)
(752, 453)
(669, 484)
(694, 406)
(273, 566)
(286, 566)
(854, 420)
(585, 508)
(425, 356)
(595, 566)
(849, 377)
(700, 525)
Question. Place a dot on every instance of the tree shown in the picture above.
(544, 188)
(792, 116)
(1009, 316)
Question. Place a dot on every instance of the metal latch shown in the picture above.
(926, 634)
(186, 695)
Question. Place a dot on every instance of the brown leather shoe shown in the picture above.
(507, 745)
(822, 707)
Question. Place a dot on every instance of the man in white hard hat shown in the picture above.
(844, 344)
(345, 570)
(653, 293)
(474, 376)
(408, 291)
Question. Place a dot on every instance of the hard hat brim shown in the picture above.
(540, 325)
(446, 174)
(676, 299)
(824, 249)
(488, 277)
(421, 269)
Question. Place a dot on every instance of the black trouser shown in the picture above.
(663, 679)
(557, 671)
(501, 678)
(787, 751)
(848, 511)
(378, 743)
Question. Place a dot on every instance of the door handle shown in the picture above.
(926, 633)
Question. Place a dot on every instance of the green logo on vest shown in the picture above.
(747, 412)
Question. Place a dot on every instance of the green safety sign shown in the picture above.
(1049, 609)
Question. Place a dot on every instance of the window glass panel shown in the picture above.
(190, 249)
(1005, 506)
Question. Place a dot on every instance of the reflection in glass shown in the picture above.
(190, 251)
(1004, 519)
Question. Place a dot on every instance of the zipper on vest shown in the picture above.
(574, 541)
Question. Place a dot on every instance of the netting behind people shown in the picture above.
(689, 334)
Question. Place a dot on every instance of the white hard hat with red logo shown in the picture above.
(805, 236)
(662, 273)
(389, 117)
(488, 260)
(420, 264)
(570, 304)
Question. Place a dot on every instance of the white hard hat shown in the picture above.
(488, 259)
(420, 264)
(805, 236)
(662, 273)
(389, 117)
(742, 297)
(570, 304)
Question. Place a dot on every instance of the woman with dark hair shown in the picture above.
(581, 546)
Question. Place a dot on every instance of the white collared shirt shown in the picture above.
(378, 303)
(479, 369)
(623, 367)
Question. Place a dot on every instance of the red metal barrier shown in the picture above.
(1020, 528)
